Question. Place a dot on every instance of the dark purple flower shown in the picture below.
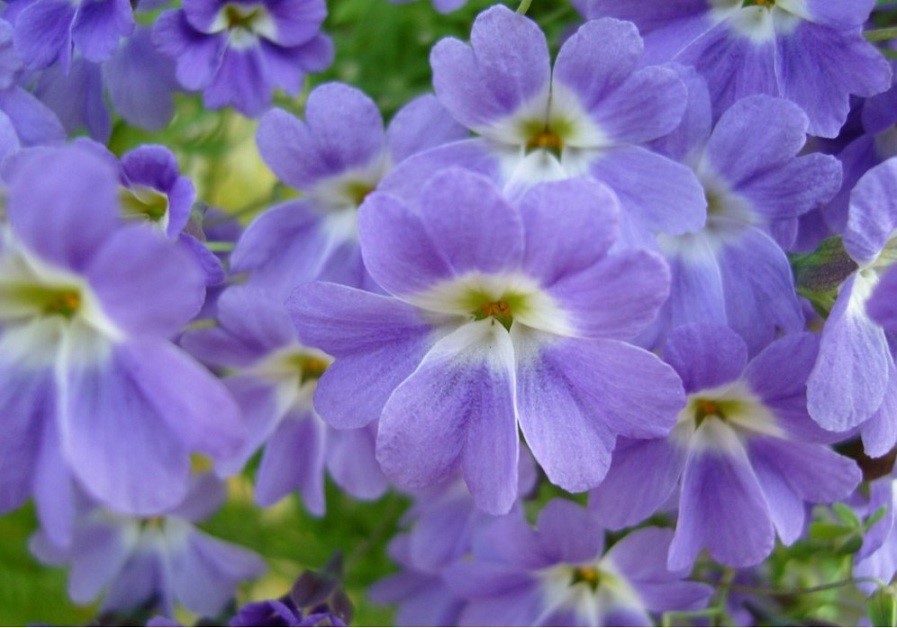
(238, 52)
(811, 52)
(50, 31)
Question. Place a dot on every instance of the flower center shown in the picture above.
(759, 3)
(34, 299)
(587, 575)
(64, 303)
(358, 191)
(237, 17)
(499, 310)
(549, 136)
(310, 367)
(546, 140)
(143, 203)
(295, 366)
(707, 408)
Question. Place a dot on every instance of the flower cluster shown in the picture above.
(649, 258)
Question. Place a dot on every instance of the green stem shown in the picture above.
(524, 6)
(220, 247)
(805, 591)
(882, 34)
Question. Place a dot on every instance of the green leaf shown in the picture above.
(826, 531)
(31, 593)
(847, 515)
(882, 607)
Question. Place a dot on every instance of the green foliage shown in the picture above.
(31, 593)
(882, 607)
(291, 540)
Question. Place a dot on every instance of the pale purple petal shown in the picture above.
(99, 25)
(67, 218)
(429, 422)
(352, 464)
(569, 533)
(761, 300)
(734, 66)
(615, 298)
(421, 124)
(880, 431)
(294, 460)
(377, 343)
(721, 506)
(141, 82)
(814, 472)
(842, 63)
(598, 63)
(137, 268)
(473, 227)
(872, 218)
(661, 194)
(117, 442)
(26, 402)
(705, 356)
(398, 250)
(206, 571)
(342, 129)
(505, 67)
(693, 131)
(643, 475)
(850, 379)
(575, 396)
(882, 305)
(283, 247)
(43, 33)
(562, 243)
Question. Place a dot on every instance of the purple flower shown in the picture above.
(76, 96)
(336, 157)
(238, 52)
(141, 82)
(154, 191)
(93, 391)
(50, 31)
(26, 122)
(500, 316)
(274, 377)
(422, 597)
(588, 116)
(854, 382)
(876, 143)
(732, 272)
(137, 82)
(877, 557)
(811, 52)
(745, 454)
(166, 559)
(560, 574)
